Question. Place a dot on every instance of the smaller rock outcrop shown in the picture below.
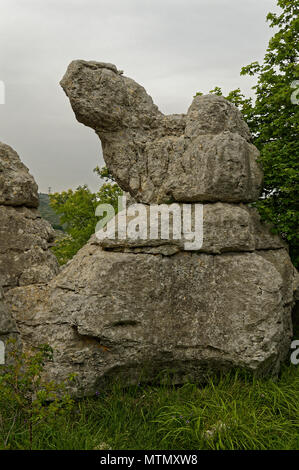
(17, 186)
(25, 237)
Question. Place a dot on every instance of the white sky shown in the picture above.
(173, 48)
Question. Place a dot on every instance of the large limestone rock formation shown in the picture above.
(24, 236)
(137, 307)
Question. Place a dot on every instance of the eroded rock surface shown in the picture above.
(205, 155)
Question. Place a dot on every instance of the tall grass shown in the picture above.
(233, 411)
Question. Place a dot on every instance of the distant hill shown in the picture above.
(47, 212)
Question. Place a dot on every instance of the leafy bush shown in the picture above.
(77, 214)
(26, 399)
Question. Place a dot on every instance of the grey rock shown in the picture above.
(205, 155)
(114, 315)
(7, 324)
(25, 257)
(9, 334)
(265, 235)
(17, 186)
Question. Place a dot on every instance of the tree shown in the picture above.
(273, 120)
(77, 214)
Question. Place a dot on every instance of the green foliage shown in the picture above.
(273, 120)
(104, 173)
(48, 213)
(26, 399)
(275, 123)
(77, 214)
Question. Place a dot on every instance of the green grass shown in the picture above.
(231, 412)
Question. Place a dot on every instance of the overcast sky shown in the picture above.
(173, 48)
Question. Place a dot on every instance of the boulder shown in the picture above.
(112, 315)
